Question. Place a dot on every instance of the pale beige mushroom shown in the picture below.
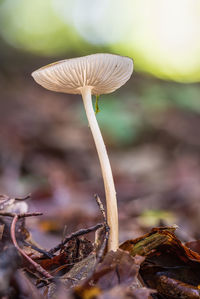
(92, 75)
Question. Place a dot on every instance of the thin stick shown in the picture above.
(107, 229)
(74, 235)
(35, 265)
(20, 215)
(104, 243)
(101, 207)
(101, 250)
(23, 198)
(42, 251)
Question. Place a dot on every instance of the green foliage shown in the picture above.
(120, 124)
(123, 117)
(153, 217)
(185, 96)
(34, 26)
(161, 95)
(55, 27)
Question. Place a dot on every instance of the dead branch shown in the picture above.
(8, 214)
(23, 198)
(107, 229)
(79, 233)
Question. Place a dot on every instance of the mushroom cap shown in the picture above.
(104, 73)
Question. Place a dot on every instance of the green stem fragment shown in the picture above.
(97, 110)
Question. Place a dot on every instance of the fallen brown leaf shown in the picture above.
(170, 266)
(117, 274)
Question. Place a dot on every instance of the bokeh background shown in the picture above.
(151, 125)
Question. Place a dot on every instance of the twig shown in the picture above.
(102, 247)
(35, 265)
(45, 254)
(101, 207)
(24, 215)
(23, 198)
(104, 243)
(106, 226)
(80, 232)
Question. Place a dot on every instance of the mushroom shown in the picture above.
(92, 75)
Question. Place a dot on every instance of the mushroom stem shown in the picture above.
(111, 201)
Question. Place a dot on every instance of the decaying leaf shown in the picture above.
(78, 273)
(143, 245)
(170, 266)
(156, 238)
(117, 268)
(194, 246)
(76, 250)
(173, 288)
(117, 274)
(124, 292)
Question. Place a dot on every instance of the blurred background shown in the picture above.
(151, 125)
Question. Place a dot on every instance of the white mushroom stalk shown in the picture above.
(111, 200)
(92, 75)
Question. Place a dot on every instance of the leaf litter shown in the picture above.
(155, 265)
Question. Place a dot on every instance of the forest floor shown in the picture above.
(53, 241)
